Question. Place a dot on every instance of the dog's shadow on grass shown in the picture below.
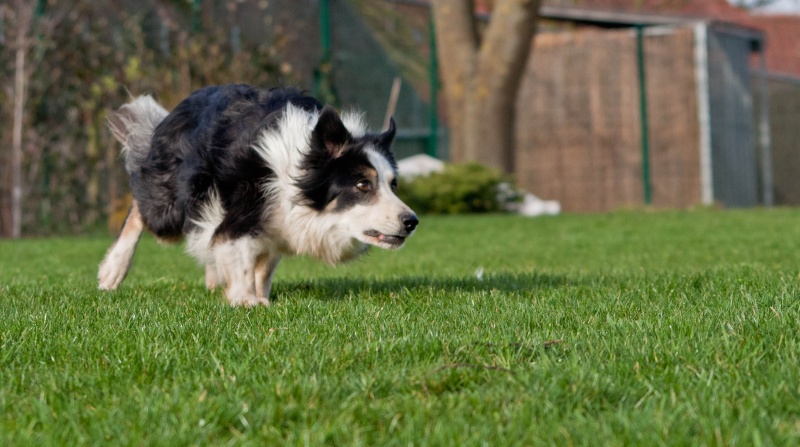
(342, 288)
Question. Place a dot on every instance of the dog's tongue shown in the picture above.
(381, 237)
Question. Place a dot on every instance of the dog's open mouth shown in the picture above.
(387, 239)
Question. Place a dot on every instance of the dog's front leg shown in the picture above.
(265, 270)
(118, 259)
(236, 263)
(213, 278)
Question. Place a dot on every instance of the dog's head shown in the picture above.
(354, 177)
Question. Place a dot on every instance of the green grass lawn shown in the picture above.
(631, 328)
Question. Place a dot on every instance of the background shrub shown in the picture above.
(459, 188)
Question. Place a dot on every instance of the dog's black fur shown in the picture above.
(206, 142)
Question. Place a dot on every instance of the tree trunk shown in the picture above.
(23, 25)
(457, 44)
(481, 82)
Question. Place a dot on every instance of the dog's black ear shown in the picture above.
(385, 139)
(383, 142)
(330, 134)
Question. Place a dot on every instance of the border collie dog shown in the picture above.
(246, 176)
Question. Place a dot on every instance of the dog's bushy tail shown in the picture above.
(133, 125)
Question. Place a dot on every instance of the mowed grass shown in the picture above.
(631, 328)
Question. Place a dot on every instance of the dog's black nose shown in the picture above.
(410, 222)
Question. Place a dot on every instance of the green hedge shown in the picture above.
(459, 188)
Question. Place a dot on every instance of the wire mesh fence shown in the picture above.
(733, 120)
(84, 58)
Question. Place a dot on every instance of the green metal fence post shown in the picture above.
(196, 16)
(40, 8)
(323, 86)
(433, 138)
(325, 29)
(647, 186)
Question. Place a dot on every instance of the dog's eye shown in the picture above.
(364, 186)
(393, 184)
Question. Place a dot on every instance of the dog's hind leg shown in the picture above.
(118, 259)
(213, 278)
(265, 270)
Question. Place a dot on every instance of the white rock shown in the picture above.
(420, 164)
(534, 206)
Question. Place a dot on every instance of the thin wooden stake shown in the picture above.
(392, 106)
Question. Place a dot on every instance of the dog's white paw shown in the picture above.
(249, 301)
(111, 275)
(244, 297)
(117, 261)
